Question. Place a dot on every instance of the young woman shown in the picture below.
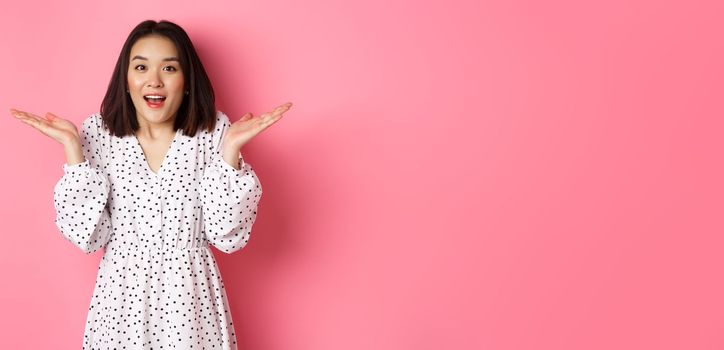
(155, 178)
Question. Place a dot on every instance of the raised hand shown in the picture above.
(243, 130)
(246, 128)
(59, 129)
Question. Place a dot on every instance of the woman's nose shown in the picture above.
(154, 83)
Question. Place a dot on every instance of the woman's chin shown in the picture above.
(155, 116)
(154, 112)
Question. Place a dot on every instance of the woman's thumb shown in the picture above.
(50, 116)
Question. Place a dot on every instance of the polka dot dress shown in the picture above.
(158, 285)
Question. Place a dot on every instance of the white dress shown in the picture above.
(158, 285)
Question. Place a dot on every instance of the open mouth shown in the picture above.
(154, 101)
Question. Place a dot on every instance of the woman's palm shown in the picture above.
(244, 129)
(53, 126)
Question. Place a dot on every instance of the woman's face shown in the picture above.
(154, 70)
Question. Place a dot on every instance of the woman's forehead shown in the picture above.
(154, 47)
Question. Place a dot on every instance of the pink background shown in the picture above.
(454, 175)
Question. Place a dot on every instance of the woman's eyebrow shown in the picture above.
(138, 57)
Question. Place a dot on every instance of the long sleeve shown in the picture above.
(81, 194)
(229, 197)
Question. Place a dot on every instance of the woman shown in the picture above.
(155, 178)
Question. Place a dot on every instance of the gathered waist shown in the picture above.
(169, 249)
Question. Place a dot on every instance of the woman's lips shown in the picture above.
(154, 105)
(154, 100)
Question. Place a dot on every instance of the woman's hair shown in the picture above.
(197, 110)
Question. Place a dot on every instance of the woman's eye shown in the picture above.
(140, 65)
(172, 68)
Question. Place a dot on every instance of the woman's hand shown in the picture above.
(243, 130)
(59, 129)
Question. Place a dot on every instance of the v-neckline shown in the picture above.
(165, 157)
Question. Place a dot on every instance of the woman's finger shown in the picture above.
(37, 123)
(52, 126)
(26, 115)
(282, 108)
(246, 117)
(40, 121)
(22, 113)
(31, 119)
(15, 112)
(19, 114)
(32, 123)
(270, 118)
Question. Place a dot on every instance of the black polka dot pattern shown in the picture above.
(158, 284)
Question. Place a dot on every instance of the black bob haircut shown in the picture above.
(197, 110)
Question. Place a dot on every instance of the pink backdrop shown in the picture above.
(454, 175)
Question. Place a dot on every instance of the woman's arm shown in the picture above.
(230, 191)
(81, 194)
(229, 196)
(80, 199)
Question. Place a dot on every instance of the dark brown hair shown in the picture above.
(197, 110)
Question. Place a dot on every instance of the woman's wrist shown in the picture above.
(231, 156)
(73, 152)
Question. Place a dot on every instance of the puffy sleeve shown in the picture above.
(229, 197)
(81, 194)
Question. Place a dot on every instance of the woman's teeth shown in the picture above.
(154, 101)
